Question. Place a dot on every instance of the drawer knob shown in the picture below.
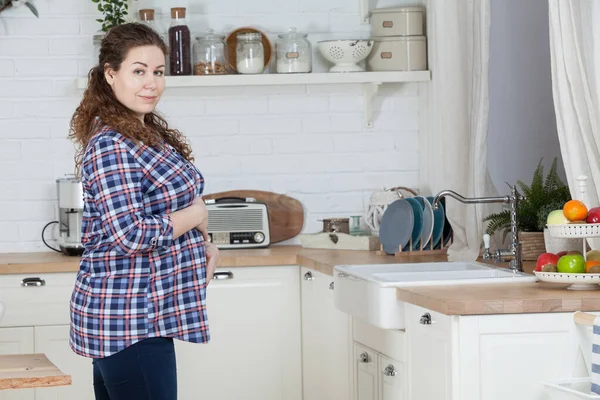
(309, 276)
(425, 319)
(364, 357)
(33, 282)
(331, 286)
(390, 370)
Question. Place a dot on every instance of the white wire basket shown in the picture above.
(575, 230)
(572, 389)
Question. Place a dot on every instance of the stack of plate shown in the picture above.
(411, 224)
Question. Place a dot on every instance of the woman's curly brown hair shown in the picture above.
(99, 100)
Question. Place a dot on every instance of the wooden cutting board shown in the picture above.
(30, 371)
(286, 215)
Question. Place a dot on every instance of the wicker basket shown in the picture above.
(532, 244)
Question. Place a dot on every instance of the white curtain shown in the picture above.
(454, 147)
(575, 51)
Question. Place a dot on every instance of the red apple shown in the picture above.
(545, 259)
(593, 215)
(562, 253)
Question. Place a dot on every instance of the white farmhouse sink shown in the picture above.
(369, 291)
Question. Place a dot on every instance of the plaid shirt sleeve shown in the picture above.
(115, 178)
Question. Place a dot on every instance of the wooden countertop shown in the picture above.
(450, 300)
(30, 371)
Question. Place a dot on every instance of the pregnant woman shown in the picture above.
(143, 275)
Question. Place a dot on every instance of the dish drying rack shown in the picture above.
(428, 250)
(569, 388)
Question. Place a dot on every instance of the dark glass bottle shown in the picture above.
(180, 50)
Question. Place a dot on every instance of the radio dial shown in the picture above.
(259, 237)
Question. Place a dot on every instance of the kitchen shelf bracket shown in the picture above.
(364, 11)
(369, 92)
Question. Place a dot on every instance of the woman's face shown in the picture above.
(140, 81)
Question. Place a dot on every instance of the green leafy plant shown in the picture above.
(541, 197)
(114, 12)
(4, 4)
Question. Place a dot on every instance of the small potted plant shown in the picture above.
(542, 196)
(114, 13)
(4, 4)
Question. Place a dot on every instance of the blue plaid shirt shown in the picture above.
(135, 281)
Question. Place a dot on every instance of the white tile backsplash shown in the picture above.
(306, 141)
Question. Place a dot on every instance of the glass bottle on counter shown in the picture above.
(250, 53)
(210, 54)
(294, 53)
(179, 43)
(147, 18)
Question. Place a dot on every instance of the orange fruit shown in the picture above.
(591, 263)
(575, 210)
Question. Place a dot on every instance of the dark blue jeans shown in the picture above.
(143, 371)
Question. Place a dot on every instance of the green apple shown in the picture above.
(557, 217)
(571, 264)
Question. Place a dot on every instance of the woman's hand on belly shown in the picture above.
(212, 259)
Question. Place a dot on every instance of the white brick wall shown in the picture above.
(305, 141)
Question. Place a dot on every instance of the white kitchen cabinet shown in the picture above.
(429, 354)
(366, 384)
(487, 357)
(379, 363)
(54, 342)
(16, 341)
(255, 348)
(326, 340)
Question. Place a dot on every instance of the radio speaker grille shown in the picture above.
(235, 220)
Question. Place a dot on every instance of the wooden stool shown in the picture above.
(23, 371)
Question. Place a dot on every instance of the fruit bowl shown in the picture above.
(577, 281)
(575, 230)
(345, 54)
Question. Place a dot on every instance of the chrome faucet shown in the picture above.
(513, 253)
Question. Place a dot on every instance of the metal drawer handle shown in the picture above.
(223, 275)
(390, 371)
(425, 319)
(33, 282)
(309, 276)
(331, 286)
(364, 357)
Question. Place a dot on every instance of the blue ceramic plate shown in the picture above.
(418, 223)
(396, 226)
(427, 232)
(439, 217)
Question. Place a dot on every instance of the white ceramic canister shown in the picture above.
(397, 21)
(400, 53)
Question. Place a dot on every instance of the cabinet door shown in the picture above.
(255, 348)
(326, 340)
(16, 341)
(392, 384)
(54, 342)
(366, 375)
(429, 354)
(523, 349)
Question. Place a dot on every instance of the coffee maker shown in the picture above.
(70, 213)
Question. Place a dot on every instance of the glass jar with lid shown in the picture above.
(179, 43)
(147, 18)
(210, 54)
(294, 53)
(250, 53)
